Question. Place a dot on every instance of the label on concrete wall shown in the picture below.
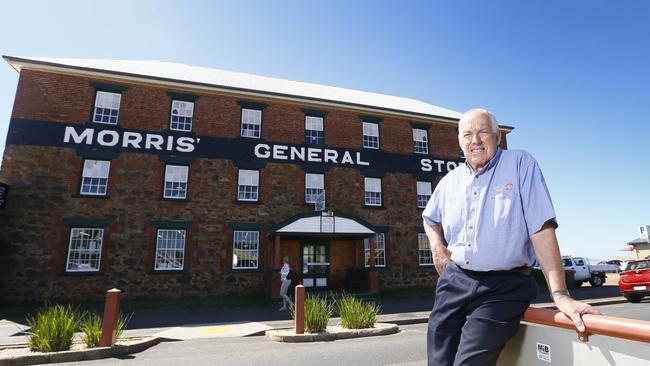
(544, 352)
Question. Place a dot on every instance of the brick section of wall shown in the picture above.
(45, 183)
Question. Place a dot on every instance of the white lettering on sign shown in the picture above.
(441, 166)
(331, 156)
(544, 352)
(263, 155)
(313, 154)
(279, 152)
(129, 139)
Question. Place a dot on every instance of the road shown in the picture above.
(404, 348)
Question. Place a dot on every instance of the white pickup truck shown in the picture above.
(594, 273)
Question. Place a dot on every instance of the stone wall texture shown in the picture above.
(45, 182)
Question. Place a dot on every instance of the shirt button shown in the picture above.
(467, 262)
(475, 193)
(469, 245)
(471, 227)
(473, 210)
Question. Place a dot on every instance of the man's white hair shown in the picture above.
(494, 124)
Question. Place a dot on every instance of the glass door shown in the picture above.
(315, 266)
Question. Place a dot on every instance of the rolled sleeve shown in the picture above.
(536, 199)
(432, 213)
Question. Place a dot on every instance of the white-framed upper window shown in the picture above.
(314, 134)
(248, 185)
(372, 191)
(420, 141)
(251, 122)
(84, 250)
(181, 115)
(314, 186)
(370, 135)
(380, 250)
(424, 250)
(424, 193)
(170, 249)
(107, 107)
(94, 178)
(245, 249)
(175, 181)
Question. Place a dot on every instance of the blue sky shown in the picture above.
(572, 77)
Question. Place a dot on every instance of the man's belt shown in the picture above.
(514, 271)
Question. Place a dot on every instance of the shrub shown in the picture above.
(52, 329)
(355, 313)
(318, 312)
(122, 322)
(91, 327)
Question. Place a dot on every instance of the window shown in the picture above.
(420, 145)
(251, 122)
(245, 249)
(175, 181)
(181, 116)
(248, 185)
(107, 107)
(94, 179)
(84, 250)
(314, 186)
(426, 258)
(170, 249)
(373, 191)
(424, 192)
(380, 250)
(370, 135)
(314, 131)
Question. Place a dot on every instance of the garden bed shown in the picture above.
(332, 333)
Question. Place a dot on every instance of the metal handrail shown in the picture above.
(632, 329)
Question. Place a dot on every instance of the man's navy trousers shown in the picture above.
(474, 315)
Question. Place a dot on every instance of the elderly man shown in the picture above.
(486, 222)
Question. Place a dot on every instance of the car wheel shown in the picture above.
(579, 283)
(633, 298)
(596, 281)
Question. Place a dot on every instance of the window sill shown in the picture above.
(83, 274)
(245, 270)
(169, 271)
(175, 199)
(427, 266)
(382, 207)
(252, 203)
(380, 269)
(78, 195)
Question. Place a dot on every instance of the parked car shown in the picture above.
(634, 283)
(594, 273)
(624, 264)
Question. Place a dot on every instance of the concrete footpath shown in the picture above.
(183, 324)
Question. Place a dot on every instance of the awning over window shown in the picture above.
(323, 224)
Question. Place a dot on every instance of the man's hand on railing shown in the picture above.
(574, 310)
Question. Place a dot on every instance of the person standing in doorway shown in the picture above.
(487, 222)
(285, 283)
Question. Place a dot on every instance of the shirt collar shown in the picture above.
(489, 165)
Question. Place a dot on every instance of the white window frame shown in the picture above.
(176, 177)
(420, 141)
(380, 250)
(314, 185)
(369, 135)
(95, 176)
(423, 193)
(425, 256)
(248, 178)
(372, 191)
(240, 238)
(106, 102)
(79, 237)
(184, 113)
(170, 241)
(316, 124)
(251, 117)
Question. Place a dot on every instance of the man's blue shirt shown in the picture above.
(487, 218)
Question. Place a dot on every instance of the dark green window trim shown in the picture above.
(245, 226)
(252, 105)
(176, 160)
(171, 224)
(372, 173)
(315, 169)
(97, 154)
(113, 88)
(421, 126)
(183, 97)
(89, 223)
(382, 229)
(420, 230)
(371, 119)
(314, 113)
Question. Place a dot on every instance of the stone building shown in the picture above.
(167, 180)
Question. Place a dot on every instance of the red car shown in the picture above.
(635, 280)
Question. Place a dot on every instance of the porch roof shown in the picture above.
(323, 224)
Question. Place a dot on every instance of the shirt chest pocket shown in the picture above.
(506, 216)
(454, 217)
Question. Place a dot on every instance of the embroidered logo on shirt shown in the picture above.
(507, 187)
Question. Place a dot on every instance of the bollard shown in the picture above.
(300, 309)
(111, 313)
